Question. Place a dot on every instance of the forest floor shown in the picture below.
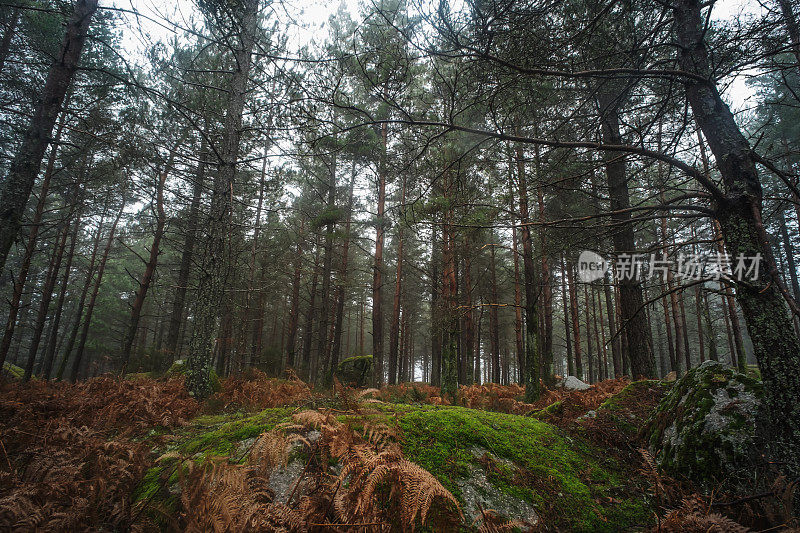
(276, 455)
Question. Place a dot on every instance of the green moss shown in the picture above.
(554, 408)
(703, 429)
(209, 436)
(179, 368)
(13, 371)
(566, 478)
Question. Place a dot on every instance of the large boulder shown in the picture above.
(704, 428)
(355, 371)
(573, 383)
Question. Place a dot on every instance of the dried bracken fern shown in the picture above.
(256, 390)
(693, 516)
(374, 484)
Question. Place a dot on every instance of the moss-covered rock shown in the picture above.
(12, 371)
(355, 371)
(524, 469)
(179, 368)
(704, 428)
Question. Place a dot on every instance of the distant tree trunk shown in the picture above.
(436, 332)
(602, 361)
(532, 363)
(548, 372)
(308, 330)
(47, 293)
(341, 293)
(377, 273)
(82, 301)
(76, 363)
(631, 302)
(50, 351)
(739, 211)
(398, 289)
(589, 351)
(254, 316)
(25, 166)
(708, 331)
(567, 330)
(187, 253)
(616, 350)
(494, 318)
(469, 322)
(576, 329)
(294, 315)
(790, 21)
(477, 351)
(323, 348)
(150, 265)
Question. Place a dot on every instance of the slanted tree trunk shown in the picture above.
(150, 265)
(738, 210)
(187, 255)
(8, 35)
(82, 301)
(50, 352)
(87, 321)
(25, 166)
(44, 304)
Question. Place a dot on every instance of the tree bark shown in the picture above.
(28, 159)
(187, 255)
(294, 315)
(210, 296)
(776, 346)
(341, 293)
(150, 265)
(87, 321)
(631, 302)
(377, 272)
(394, 329)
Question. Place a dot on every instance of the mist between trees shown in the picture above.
(415, 185)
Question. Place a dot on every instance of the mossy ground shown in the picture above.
(571, 484)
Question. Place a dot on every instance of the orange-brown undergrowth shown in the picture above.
(67, 462)
(256, 390)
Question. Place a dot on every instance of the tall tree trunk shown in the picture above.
(210, 297)
(436, 328)
(469, 321)
(738, 210)
(449, 296)
(567, 330)
(616, 350)
(25, 166)
(631, 302)
(394, 329)
(52, 345)
(30, 249)
(87, 321)
(254, 316)
(323, 348)
(44, 303)
(341, 294)
(576, 328)
(494, 318)
(589, 351)
(308, 330)
(294, 315)
(546, 291)
(532, 363)
(82, 300)
(377, 273)
(187, 254)
(150, 265)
